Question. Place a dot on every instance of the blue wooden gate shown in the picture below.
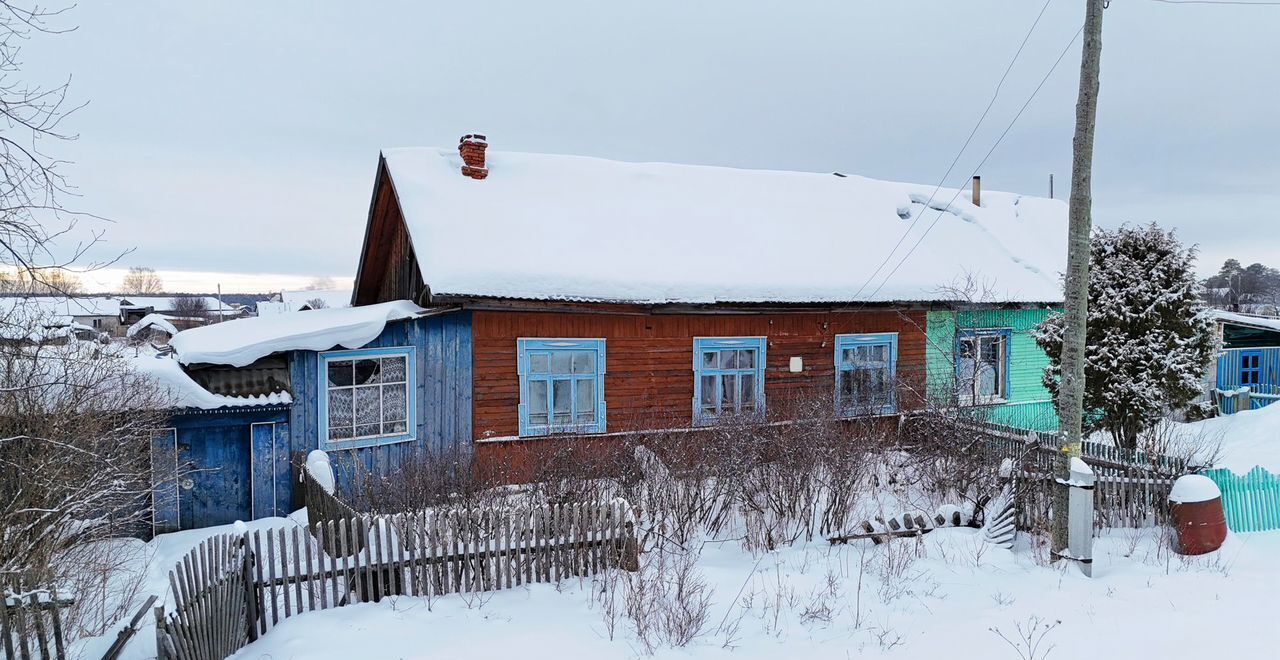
(269, 472)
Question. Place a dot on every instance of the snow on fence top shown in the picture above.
(579, 228)
(242, 341)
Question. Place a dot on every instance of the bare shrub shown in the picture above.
(1029, 638)
(76, 430)
(667, 600)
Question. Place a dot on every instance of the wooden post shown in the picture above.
(162, 652)
(1242, 399)
(1076, 307)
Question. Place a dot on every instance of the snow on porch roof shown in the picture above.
(1250, 320)
(243, 341)
(579, 228)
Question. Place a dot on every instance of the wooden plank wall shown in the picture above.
(649, 382)
(443, 384)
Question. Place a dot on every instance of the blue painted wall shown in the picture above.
(443, 383)
(225, 448)
(1266, 390)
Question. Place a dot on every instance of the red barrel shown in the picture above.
(1196, 504)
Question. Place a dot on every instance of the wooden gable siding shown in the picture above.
(388, 267)
(443, 384)
(649, 378)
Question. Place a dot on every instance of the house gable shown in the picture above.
(388, 267)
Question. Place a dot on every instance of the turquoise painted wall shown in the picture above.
(1028, 404)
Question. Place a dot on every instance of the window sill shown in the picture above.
(984, 401)
(365, 443)
(593, 429)
(883, 411)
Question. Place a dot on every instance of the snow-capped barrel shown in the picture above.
(1196, 504)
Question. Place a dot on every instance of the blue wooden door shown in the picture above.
(164, 480)
(270, 487)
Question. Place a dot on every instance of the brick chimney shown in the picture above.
(472, 147)
(977, 189)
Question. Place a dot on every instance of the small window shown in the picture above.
(561, 386)
(367, 397)
(866, 374)
(982, 366)
(1250, 368)
(728, 378)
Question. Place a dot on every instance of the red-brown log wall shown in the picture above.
(649, 377)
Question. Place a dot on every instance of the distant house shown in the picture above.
(1249, 359)
(304, 300)
(45, 319)
(133, 308)
(512, 300)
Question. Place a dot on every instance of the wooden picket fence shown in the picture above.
(1250, 502)
(1122, 497)
(231, 589)
(1042, 452)
(31, 623)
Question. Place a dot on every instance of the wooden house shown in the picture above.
(1247, 369)
(506, 303)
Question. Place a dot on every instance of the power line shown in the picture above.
(980, 164)
(960, 153)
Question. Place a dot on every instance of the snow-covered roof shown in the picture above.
(1250, 320)
(170, 303)
(579, 228)
(292, 301)
(62, 306)
(187, 393)
(242, 341)
(153, 319)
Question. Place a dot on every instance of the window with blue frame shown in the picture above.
(728, 377)
(1250, 368)
(866, 374)
(561, 386)
(367, 398)
(982, 365)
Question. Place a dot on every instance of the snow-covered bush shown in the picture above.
(76, 429)
(1147, 347)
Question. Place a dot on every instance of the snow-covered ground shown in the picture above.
(806, 601)
(1247, 439)
(148, 564)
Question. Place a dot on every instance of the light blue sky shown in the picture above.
(240, 137)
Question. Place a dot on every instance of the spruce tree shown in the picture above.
(1148, 345)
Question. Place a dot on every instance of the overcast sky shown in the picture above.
(235, 142)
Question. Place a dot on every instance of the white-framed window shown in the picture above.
(367, 397)
(561, 385)
(982, 366)
(866, 374)
(728, 378)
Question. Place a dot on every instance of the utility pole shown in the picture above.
(1071, 391)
